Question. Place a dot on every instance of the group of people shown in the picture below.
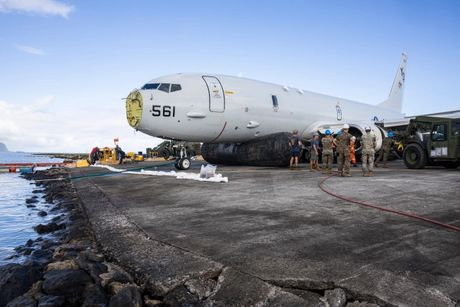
(344, 144)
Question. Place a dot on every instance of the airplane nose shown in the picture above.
(134, 108)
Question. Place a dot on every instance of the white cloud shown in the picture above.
(42, 7)
(30, 50)
(38, 127)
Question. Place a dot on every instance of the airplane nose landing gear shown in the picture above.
(183, 162)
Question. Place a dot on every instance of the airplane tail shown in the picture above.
(394, 101)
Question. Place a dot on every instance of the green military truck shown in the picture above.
(432, 141)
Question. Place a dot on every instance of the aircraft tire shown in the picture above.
(176, 164)
(414, 156)
(184, 163)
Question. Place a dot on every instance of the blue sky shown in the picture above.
(65, 65)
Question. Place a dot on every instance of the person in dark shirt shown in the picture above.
(120, 154)
(295, 145)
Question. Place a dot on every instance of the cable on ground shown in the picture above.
(366, 204)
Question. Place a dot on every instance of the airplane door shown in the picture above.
(216, 94)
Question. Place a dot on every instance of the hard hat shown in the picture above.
(327, 132)
(353, 138)
(391, 134)
(346, 126)
(367, 128)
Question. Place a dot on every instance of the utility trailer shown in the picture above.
(432, 141)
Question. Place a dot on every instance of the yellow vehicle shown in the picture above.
(108, 156)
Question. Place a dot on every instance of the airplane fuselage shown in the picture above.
(219, 108)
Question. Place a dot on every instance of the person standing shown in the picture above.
(387, 143)
(368, 145)
(343, 142)
(120, 154)
(352, 151)
(327, 156)
(94, 155)
(295, 144)
(314, 153)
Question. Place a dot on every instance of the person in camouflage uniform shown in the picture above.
(342, 143)
(328, 143)
(387, 143)
(368, 144)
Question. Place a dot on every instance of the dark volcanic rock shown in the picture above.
(94, 296)
(31, 200)
(125, 295)
(51, 301)
(15, 280)
(22, 301)
(42, 256)
(37, 191)
(115, 274)
(69, 283)
(42, 213)
(41, 229)
(31, 206)
(29, 243)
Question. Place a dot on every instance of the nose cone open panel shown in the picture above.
(134, 108)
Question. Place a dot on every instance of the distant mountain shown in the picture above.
(3, 147)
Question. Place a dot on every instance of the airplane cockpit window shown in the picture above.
(150, 86)
(439, 132)
(175, 87)
(164, 87)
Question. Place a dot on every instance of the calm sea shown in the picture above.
(16, 219)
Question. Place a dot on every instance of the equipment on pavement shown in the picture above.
(432, 141)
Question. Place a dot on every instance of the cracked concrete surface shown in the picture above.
(277, 229)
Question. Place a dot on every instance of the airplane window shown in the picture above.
(275, 101)
(439, 132)
(150, 86)
(175, 87)
(164, 87)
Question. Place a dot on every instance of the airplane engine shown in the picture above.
(270, 150)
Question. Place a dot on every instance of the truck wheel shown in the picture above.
(414, 156)
(176, 164)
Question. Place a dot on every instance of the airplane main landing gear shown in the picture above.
(183, 162)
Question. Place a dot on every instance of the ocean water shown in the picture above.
(16, 219)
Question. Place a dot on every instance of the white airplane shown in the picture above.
(244, 121)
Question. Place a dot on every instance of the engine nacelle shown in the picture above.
(270, 150)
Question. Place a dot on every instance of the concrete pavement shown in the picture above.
(275, 229)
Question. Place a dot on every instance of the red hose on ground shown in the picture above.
(362, 203)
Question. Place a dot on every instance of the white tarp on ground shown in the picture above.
(110, 168)
(178, 175)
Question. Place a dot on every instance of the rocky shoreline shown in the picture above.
(66, 268)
